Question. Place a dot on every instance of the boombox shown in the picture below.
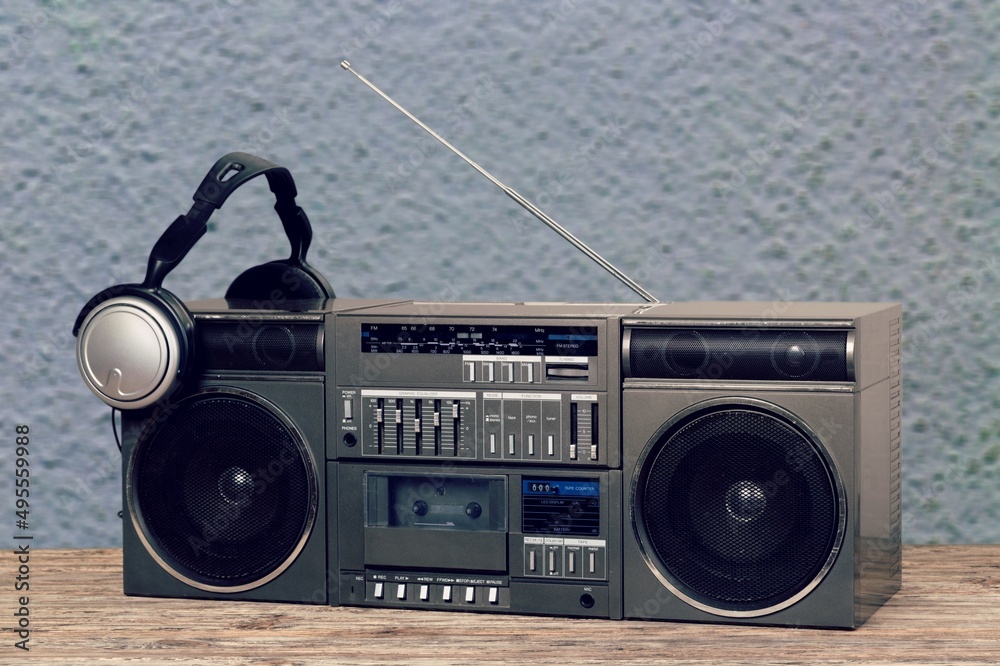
(707, 462)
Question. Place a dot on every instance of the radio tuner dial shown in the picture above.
(473, 510)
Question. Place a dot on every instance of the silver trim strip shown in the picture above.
(668, 322)
(321, 347)
(851, 369)
(626, 353)
(740, 385)
(242, 376)
(261, 316)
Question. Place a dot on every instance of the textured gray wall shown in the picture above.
(753, 149)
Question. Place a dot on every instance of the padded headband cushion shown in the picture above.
(225, 177)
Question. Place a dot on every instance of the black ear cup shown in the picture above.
(278, 281)
(133, 348)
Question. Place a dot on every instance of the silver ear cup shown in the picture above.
(130, 352)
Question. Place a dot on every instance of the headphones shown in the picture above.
(135, 342)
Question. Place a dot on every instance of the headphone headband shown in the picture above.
(136, 342)
(225, 177)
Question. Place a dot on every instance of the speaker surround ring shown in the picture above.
(237, 485)
(744, 500)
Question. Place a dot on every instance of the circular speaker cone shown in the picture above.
(274, 347)
(737, 507)
(223, 492)
(685, 353)
(795, 355)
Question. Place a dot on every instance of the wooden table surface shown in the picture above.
(948, 611)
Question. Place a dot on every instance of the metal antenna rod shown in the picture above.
(510, 192)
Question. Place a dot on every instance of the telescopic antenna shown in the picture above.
(510, 192)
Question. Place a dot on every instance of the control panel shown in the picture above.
(523, 390)
(470, 338)
(557, 557)
(415, 423)
(518, 426)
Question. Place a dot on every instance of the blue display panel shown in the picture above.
(561, 506)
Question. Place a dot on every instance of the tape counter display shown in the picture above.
(561, 506)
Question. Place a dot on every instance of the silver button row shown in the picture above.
(564, 562)
(447, 593)
(510, 372)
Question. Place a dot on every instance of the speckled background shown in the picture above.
(753, 149)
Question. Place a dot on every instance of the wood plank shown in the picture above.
(947, 612)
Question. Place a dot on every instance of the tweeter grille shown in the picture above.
(737, 508)
(737, 353)
(274, 346)
(223, 492)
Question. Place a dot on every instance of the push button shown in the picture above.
(470, 595)
(526, 373)
(379, 591)
(446, 593)
(507, 372)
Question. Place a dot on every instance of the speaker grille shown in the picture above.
(738, 508)
(738, 353)
(224, 490)
(256, 345)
